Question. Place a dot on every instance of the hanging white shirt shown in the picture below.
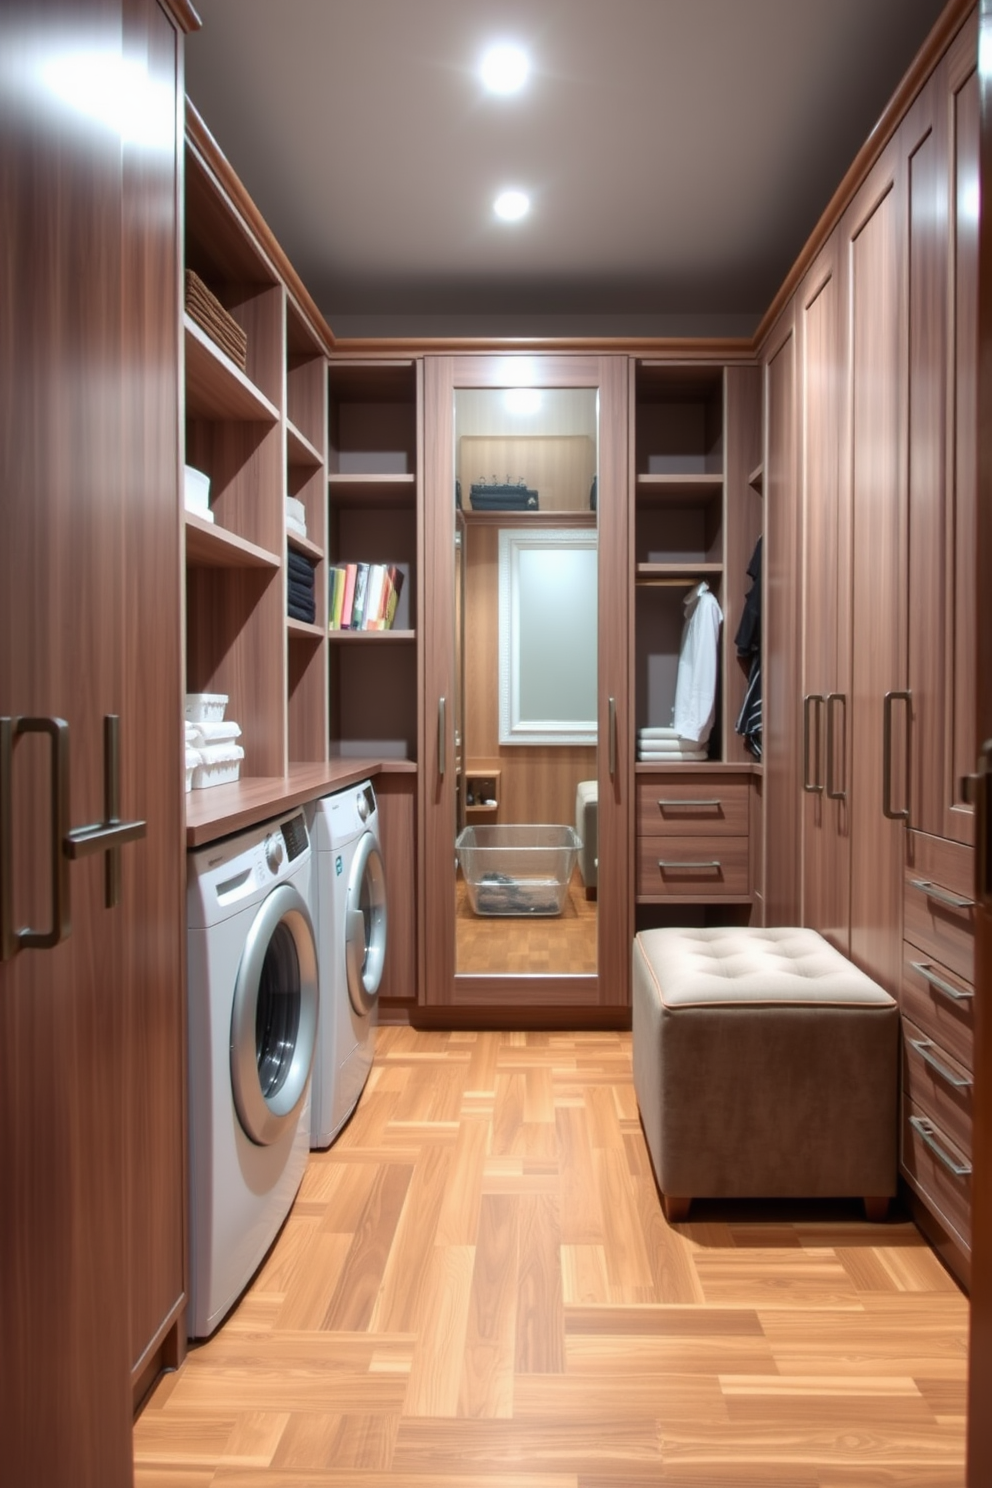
(695, 685)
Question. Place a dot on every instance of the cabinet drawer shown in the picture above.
(706, 806)
(936, 1083)
(940, 1174)
(697, 867)
(939, 1003)
(940, 922)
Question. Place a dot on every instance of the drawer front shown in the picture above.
(937, 1084)
(940, 922)
(939, 1003)
(705, 806)
(698, 867)
(929, 1163)
(948, 863)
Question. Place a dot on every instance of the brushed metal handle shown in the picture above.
(926, 1130)
(887, 808)
(442, 737)
(666, 804)
(14, 940)
(923, 1047)
(942, 896)
(813, 787)
(956, 994)
(664, 863)
(111, 834)
(832, 698)
(612, 729)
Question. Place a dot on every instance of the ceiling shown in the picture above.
(678, 152)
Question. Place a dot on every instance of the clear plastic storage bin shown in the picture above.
(517, 870)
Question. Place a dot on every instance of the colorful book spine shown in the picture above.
(361, 591)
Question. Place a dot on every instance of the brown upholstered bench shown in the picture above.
(765, 1066)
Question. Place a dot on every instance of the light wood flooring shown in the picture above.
(564, 945)
(477, 1289)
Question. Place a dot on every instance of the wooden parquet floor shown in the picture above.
(542, 945)
(476, 1289)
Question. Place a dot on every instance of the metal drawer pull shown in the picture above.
(665, 804)
(442, 737)
(110, 835)
(663, 864)
(611, 726)
(925, 1130)
(932, 891)
(923, 1047)
(956, 994)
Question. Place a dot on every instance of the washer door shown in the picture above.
(274, 1020)
(365, 925)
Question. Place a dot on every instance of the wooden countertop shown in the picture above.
(223, 809)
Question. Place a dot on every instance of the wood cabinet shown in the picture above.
(91, 980)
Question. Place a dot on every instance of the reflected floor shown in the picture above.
(559, 945)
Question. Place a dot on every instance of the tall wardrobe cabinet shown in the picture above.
(91, 873)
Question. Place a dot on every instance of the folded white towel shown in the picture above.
(292, 525)
(218, 733)
(671, 756)
(295, 508)
(221, 754)
(656, 733)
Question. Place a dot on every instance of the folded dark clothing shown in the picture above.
(299, 567)
(521, 500)
(302, 593)
(302, 612)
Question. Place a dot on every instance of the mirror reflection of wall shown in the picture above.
(542, 441)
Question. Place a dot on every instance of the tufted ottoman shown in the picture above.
(765, 1066)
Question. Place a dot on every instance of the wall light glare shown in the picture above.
(510, 206)
(504, 68)
(522, 400)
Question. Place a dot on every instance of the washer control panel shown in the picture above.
(274, 851)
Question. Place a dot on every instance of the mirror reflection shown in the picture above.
(525, 491)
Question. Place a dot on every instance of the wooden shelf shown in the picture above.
(376, 637)
(757, 478)
(299, 450)
(693, 767)
(372, 490)
(679, 899)
(305, 546)
(529, 518)
(215, 388)
(222, 809)
(303, 630)
(210, 546)
(679, 490)
(677, 573)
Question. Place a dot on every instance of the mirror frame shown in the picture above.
(514, 729)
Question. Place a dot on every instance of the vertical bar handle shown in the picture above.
(832, 792)
(887, 808)
(442, 737)
(812, 786)
(11, 939)
(612, 731)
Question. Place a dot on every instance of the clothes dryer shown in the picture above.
(253, 1006)
(349, 902)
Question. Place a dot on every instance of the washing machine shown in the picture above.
(349, 904)
(253, 1011)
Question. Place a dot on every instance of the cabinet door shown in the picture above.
(65, 1408)
(826, 600)
(491, 960)
(874, 244)
(780, 626)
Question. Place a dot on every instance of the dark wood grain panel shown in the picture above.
(397, 799)
(154, 872)
(780, 612)
(945, 931)
(946, 1192)
(875, 249)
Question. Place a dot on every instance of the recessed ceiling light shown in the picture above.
(504, 68)
(512, 205)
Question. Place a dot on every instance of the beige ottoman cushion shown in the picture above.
(765, 1065)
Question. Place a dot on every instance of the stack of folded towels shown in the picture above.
(213, 755)
(301, 604)
(296, 516)
(666, 746)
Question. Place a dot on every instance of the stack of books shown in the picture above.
(364, 596)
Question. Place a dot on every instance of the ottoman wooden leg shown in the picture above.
(676, 1209)
(875, 1209)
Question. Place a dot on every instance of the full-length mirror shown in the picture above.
(525, 491)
